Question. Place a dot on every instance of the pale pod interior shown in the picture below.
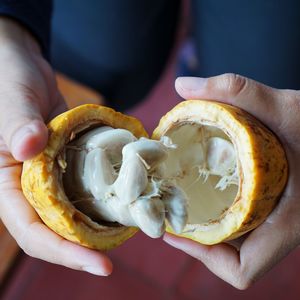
(189, 176)
(205, 166)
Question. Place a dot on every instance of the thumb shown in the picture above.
(259, 100)
(22, 127)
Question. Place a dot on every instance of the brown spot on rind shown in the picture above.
(266, 189)
(267, 167)
(252, 219)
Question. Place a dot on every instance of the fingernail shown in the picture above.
(191, 83)
(21, 133)
(28, 140)
(95, 271)
(24, 130)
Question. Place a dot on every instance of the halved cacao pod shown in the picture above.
(215, 215)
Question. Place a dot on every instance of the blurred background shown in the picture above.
(144, 268)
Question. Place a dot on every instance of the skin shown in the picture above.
(280, 233)
(28, 98)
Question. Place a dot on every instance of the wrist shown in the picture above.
(13, 34)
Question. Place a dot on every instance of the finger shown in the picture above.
(40, 242)
(33, 236)
(237, 243)
(21, 124)
(221, 259)
(261, 250)
(260, 100)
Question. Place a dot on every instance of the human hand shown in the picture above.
(28, 97)
(256, 253)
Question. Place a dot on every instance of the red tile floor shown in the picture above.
(145, 268)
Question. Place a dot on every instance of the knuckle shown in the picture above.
(26, 246)
(241, 280)
(288, 104)
(242, 284)
(293, 99)
(26, 243)
(235, 84)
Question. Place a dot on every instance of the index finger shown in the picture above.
(263, 102)
(262, 249)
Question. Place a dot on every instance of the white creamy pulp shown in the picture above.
(204, 165)
(188, 176)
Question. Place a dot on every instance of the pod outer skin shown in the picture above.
(42, 178)
(262, 165)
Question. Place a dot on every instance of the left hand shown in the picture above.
(29, 97)
(265, 246)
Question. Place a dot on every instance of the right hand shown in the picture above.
(28, 97)
(245, 260)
